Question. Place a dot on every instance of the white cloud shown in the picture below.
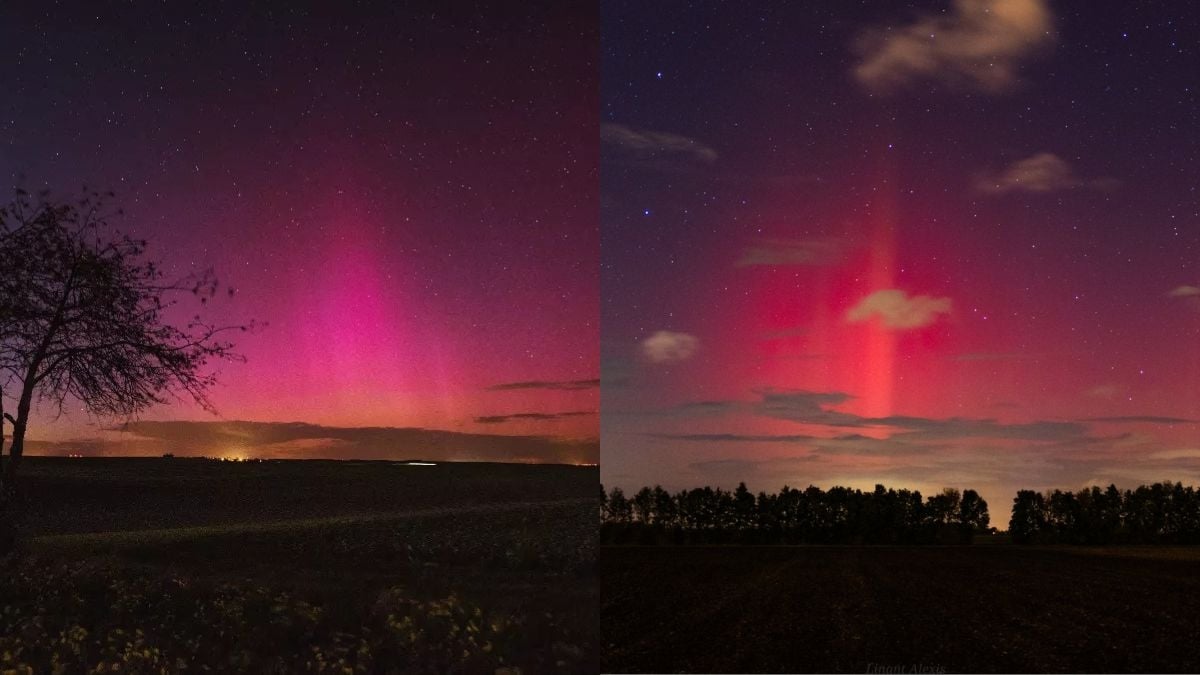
(979, 44)
(898, 310)
(1185, 292)
(1043, 172)
(669, 347)
(655, 143)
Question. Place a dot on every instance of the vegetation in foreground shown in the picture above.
(301, 567)
(941, 608)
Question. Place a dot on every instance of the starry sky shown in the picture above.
(928, 244)
(405, 193)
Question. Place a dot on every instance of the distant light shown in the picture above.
(645, 212)
(658, 74)
(420, 464)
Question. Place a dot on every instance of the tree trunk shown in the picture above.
(2, 462)
(18, 437)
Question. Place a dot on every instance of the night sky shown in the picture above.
(928, 244)
(404, 192)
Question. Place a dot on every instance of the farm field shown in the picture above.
(155, 565)
(1000, 608)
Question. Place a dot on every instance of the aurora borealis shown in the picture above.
(954, 242)
(405, 197)
(945, 244)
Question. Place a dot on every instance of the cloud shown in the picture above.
(651, 145)
(566, 385)
(785, 252)
(666, 346)
(536, 417)
(979, 44)
(805, 406)
(907, 434)
(897, 310)
(702, 408)
(1184, 292)
(296, 440)
(925, 429)
(1143, 419)
(1040, 173)
(923, 453)
(736, 438)
(857, 444)
(814, 408)
(689, 409)
(849, 444)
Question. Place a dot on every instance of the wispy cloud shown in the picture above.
(835, 447)
(899, 311)
(737, 438)
(810, 407)
(531, 416)
(1143, 419)
(555, 385)
(666, 346)
(978, 44)
(818, 409)
(850, 444)
(1041, 173)
(655, 145)
(1185, 292)
(921, 428)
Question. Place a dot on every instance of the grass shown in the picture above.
(856, 608)
(156, 564)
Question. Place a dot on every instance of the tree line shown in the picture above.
(1162, 513)
(839, 515)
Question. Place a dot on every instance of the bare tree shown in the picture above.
(84, 316)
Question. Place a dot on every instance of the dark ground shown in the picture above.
(1001, 608)
(154, 564)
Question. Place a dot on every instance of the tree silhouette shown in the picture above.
(743, 508)
(84, 317)
(1162, 513)
(619, 508)
(665, 512)
(1028, 516)
(973, 513)
(839, 515)
(643, 505)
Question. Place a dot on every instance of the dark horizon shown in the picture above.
(302, 440)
